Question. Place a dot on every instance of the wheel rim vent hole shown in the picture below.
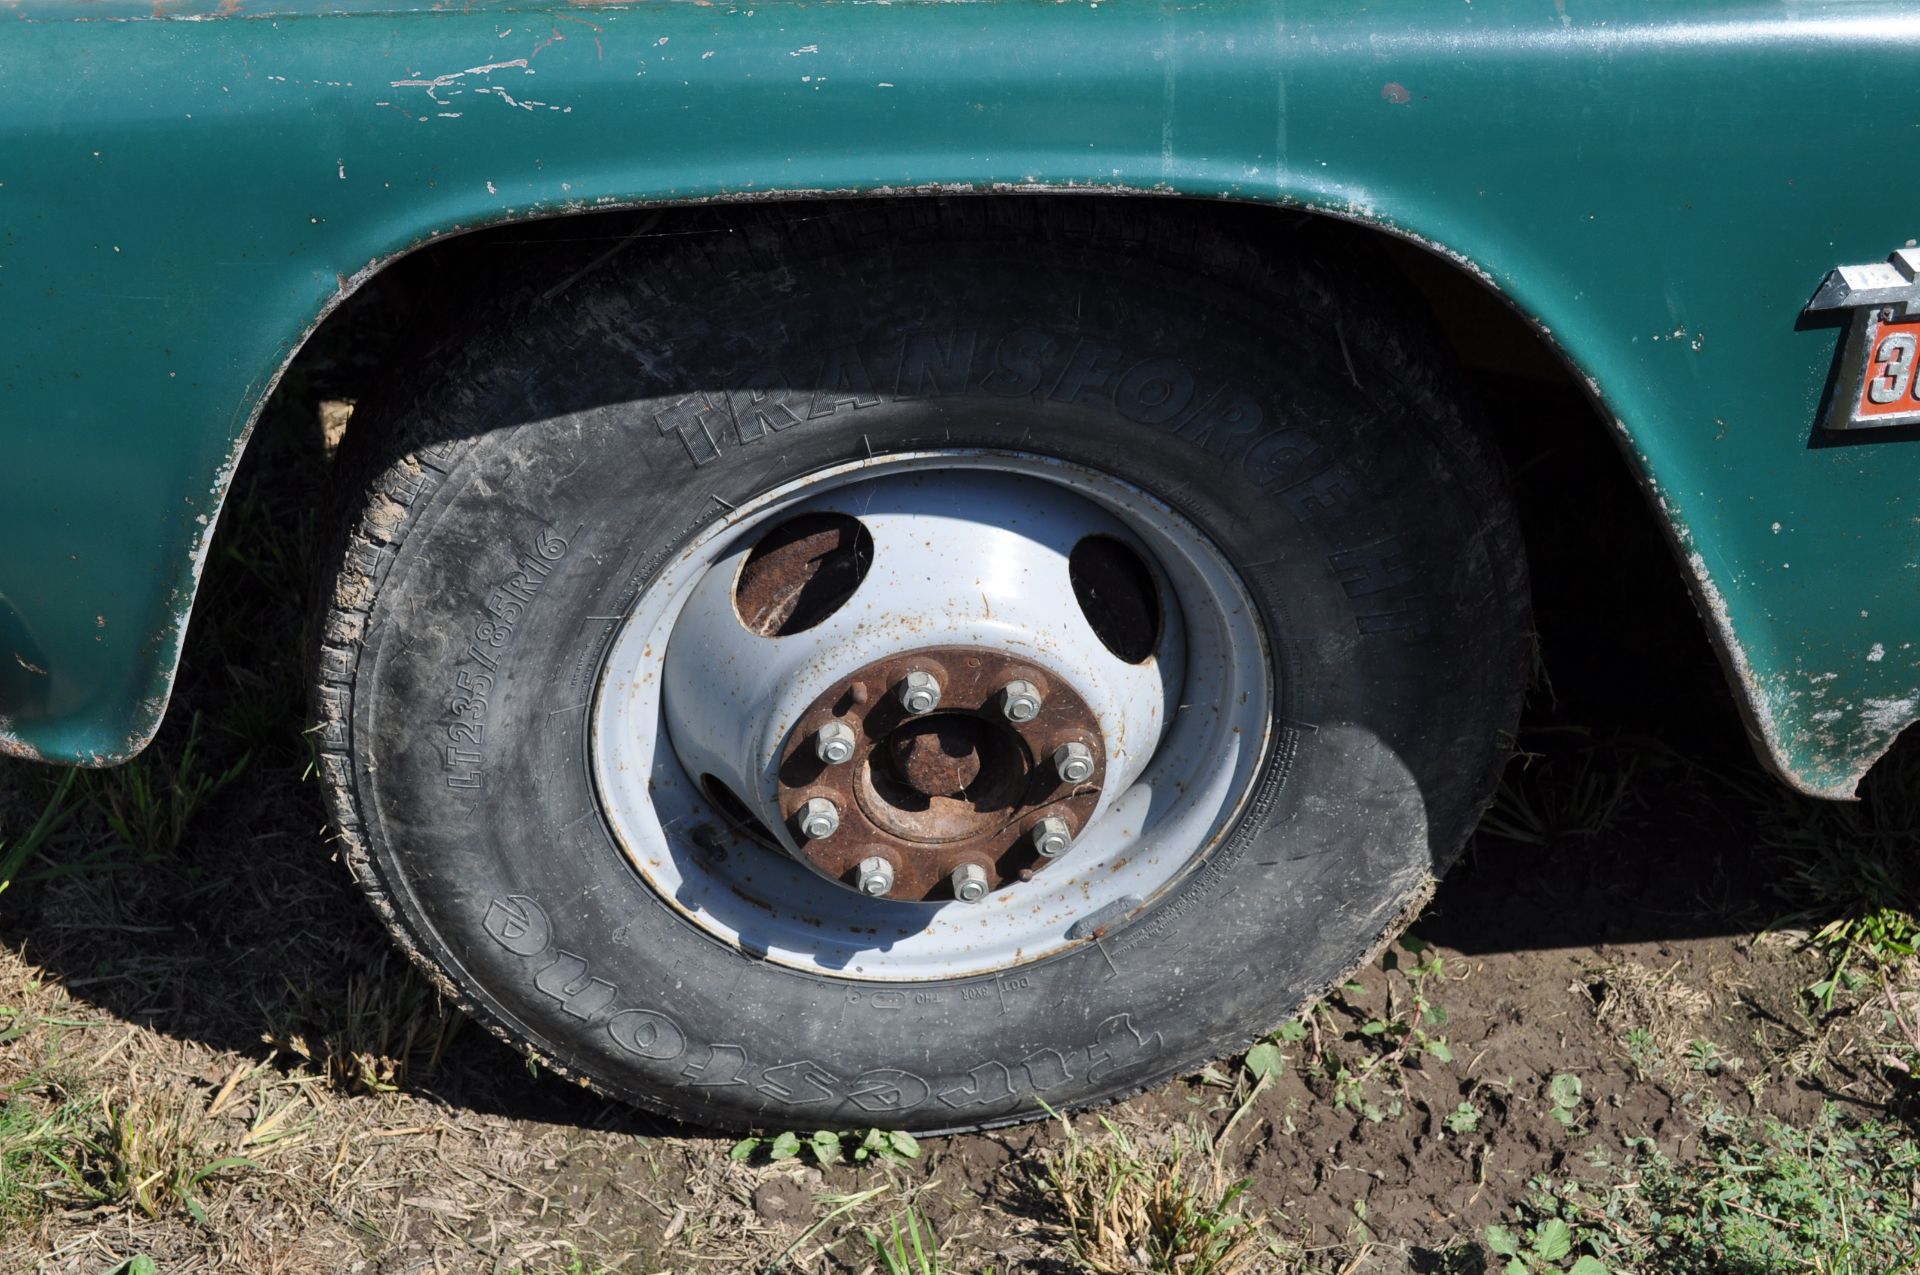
(1118, 595)
(801, 572)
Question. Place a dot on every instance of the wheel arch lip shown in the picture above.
(103, 709)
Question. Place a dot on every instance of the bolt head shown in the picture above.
(818, 818)
(969, 883)
(835, 743)
(875, 877)
(1052, 836)
(1020, 701)
(1073, 762)
(919, 692)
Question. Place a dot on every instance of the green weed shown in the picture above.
(155, 1152)
(1760, 1198)
(1463, 1119)
(1565, 1096)
(1546, 1247)
(831, 1146)
(36, 1143)
(1401, 1034)
(1769, 1199)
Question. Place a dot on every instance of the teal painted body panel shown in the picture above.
(184, 195)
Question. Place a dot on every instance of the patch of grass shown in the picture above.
(153, 1150)
(374, 1034)
(1128, 1209)
(37, 1140)
(1652, 1012)
(54, 813)
(150, 802)
(1572, 788)
(908, 1247)
(1849, 873)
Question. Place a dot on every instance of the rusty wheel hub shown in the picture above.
(931, 793)
(939, 756)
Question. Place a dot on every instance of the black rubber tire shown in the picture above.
(1319, 447)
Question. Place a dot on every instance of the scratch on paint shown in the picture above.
(451, 80)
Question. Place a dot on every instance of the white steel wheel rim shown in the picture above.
(1204, 698)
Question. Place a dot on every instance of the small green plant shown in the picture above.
(1545, 1247)
(139, 1264)
(1848, 873)
(1705, 1057)
(1565, 1094)
(1642, 1048)
(1404, 1029)
(1463, 1119)
(36, 1142)
(831, 1146)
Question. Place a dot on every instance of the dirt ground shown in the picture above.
(192, 994)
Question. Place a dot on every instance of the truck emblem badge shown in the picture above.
(1874, 384)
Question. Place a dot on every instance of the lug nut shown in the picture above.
(1073, 762)
(875, 877)
(969, 883)
(919, 692)
(834, 743)
(818, 819)
(1020, 701)
(1052, 836)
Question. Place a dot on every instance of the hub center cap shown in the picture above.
(939, 756)
(947, 791)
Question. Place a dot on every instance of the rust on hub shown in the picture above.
(959, 785)
(938, 756)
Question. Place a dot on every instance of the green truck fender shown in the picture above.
(188, 189)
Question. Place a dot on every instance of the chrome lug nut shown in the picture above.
(1020, 701)
(818, 818)
(919, 692)
(1073, 762)
(1052, 836)
(834, 743)
(969, 883)
(874, 877)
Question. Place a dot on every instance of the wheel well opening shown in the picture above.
(1597, 549)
